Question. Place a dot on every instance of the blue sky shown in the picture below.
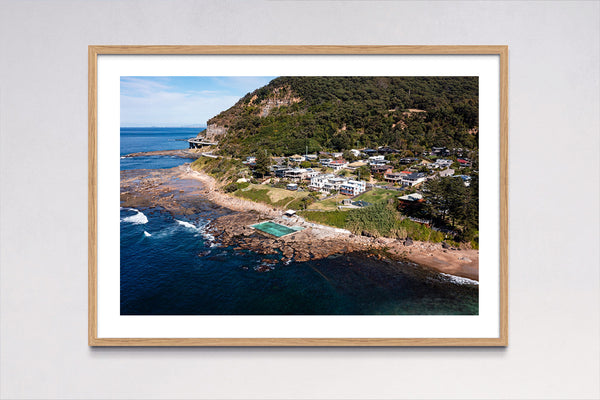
(181, 100)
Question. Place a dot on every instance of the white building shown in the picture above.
(338, 164)
(318, 181)
(329, 182)
(353, 188)
(414, 179)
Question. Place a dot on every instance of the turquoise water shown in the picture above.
(274, 229)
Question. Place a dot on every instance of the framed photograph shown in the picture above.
(298, 196)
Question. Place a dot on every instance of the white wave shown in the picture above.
(201, 230)
(187, 224)
(459, 279)
(147, 234)
(137, 219)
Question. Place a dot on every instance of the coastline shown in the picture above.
(462, 263)
(170, 188)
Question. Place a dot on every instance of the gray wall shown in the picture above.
(554, 174)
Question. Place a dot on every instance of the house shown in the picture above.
(297, 158)
(411, 198)
(387, 150)
(370, 152)
(333, 184)
(353, 188)
(338, 164)
(330, 182)
(378, 162)
(381, 169)
(337, 155)
(317, 182)
(292, 186)
(408, 160)
(325, 161)
(442, 163)
(296, 174)
(280, 172)
(394, 177)
(250, 160)
(414, 179)
(311, 157)
(463, 162)
(355, 152)
(446, 172)
(466, 179)
(410, 201)
(440, 151)
(310, 173)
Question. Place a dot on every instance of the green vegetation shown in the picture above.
(276, 197)
(336, 219)
(232, 187)
(258, 195)
(378, 220)
(378, 195)
(263, 162)
(337, 113)
(330, 204)
(220, 168)
(450, 201)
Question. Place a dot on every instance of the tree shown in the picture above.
(348, 156)
(445, 197)
(263, 161)
(364, 173)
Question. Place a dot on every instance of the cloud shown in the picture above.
(170, 102)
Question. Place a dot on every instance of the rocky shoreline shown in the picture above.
(176, 189)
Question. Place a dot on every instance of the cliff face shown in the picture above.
(278, 97)
(213, 132)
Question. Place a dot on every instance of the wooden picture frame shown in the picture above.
(94, 52)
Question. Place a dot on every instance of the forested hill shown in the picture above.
(339, 113)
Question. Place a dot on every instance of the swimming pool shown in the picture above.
(275, 229)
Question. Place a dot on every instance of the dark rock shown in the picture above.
(408, 242)
(445, 245)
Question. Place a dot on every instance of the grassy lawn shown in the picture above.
(378, 195)
(336, 219)
(329, 204)
(273, 196)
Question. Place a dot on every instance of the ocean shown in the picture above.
(171, 265)
(137, 140)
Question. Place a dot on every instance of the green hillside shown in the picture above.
(339, 113)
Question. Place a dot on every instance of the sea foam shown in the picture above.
(187, 224)
(147, 234)
(459, 279)
(200, 229)
(138, 218)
